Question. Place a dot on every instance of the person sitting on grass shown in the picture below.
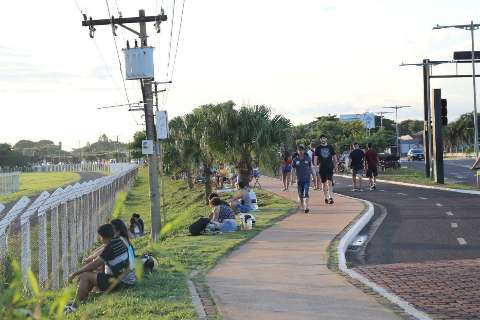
(222, 216)
(241, 201)
(117, 272)
(136, 226)
(120, 230)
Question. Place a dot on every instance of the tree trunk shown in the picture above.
(245, 170)
(189, 179)
(208, 182)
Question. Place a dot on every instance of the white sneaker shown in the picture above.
(69, 308)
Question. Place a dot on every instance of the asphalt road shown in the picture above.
(421, 224)
(456, 170)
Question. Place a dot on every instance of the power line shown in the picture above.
(118, 56)
(107, 69)
(178, 40)
(171, 38)
(176, 51)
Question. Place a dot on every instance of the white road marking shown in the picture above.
(381, 190)
(461, 241)
(454, 225)
(449, 213)
(401, 194)
(439, 204)
(423, 198)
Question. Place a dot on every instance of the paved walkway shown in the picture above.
(282, 273)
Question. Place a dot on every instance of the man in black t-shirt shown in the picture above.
(357, 158)
(327, 161)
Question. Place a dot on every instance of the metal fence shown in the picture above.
(51, 234)
(9, 182)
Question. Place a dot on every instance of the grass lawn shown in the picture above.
(164, 294)
(408, 175)
(35, 182)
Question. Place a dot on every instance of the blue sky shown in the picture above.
(303, 58)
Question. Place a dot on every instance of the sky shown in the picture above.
(303, 58)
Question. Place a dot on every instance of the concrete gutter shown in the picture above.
(347, 238)
(464, 191)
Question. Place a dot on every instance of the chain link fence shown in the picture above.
(9, 182)
(50, 234)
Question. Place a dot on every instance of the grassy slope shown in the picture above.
(164, 294)
(413, 176)
(33, 183)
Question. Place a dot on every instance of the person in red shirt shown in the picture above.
(371, 163)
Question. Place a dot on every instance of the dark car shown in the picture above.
(415, 154)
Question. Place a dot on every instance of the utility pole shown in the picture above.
(381, 113)
(470, 27)
(396, 126)
(147, 93)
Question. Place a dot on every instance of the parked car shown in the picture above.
(415, 154)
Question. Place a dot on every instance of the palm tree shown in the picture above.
(182, 137)
(244, 135)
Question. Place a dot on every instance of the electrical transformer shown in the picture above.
(139, 63)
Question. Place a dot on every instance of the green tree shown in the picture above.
(247, 134)
(135, 146)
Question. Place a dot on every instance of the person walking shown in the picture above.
(328, 163)
(315, 173)
(303, 168)
(286, 172)
(357, 158)
(371, 163)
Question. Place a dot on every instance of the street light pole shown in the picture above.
(475, 116)
(471, 27)
(396, 126)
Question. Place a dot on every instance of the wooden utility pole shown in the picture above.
(148, 106)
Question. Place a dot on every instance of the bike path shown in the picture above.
(282, 273)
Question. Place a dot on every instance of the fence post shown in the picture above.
(42, 250)
(55, 235)
(64, 232)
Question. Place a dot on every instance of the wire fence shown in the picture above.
(9, 182)
(50, 234)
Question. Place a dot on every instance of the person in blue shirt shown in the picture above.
(303, 169)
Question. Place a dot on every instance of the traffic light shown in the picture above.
(444, 112)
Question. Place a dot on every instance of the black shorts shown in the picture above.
(357, 170)
(105, 281)
(372, 172)
(326, 174)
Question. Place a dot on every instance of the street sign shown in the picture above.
(465, 55)
(162, 125)
(147, 147)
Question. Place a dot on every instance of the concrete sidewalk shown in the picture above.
(282, 273)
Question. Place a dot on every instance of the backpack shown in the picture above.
(148, 262)
(198, 226)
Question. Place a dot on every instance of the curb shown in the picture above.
(464, 191)
(197, 303)
(346, 239)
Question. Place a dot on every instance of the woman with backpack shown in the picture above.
(286, 172)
